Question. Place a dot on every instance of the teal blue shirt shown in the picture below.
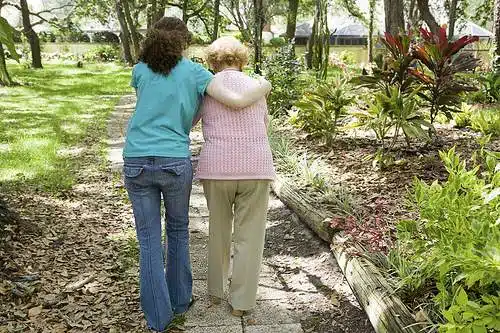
(166, 105)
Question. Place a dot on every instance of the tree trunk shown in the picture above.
(34, 41)
(132, 28)
(5, 79)
(496, 61)
(413, 19)
(125, 34)
(215, 32)
(425, 12)
(185, 17)
(394, 16)
(151, 12)
(160, 12)
(324, 41)
(291, 23)
(258, 26)
(311, 42)
(371, 19)
(452, 19)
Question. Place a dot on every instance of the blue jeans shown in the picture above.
(163, 293)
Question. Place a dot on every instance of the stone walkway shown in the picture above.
(301, 288)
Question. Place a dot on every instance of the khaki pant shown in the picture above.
(246, 202)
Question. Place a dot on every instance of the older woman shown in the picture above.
(236, 168)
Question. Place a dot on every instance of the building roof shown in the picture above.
(469, 28)
(355, 29)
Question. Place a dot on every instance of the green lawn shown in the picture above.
(43, 122)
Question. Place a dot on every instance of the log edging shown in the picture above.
(384, 308)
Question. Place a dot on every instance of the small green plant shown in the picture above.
(452, 249)
(463, 118)
(282, 69)
(393, 110)
(102, 53)
(321, 109)
(277, 42)
(472, 316)
(311, 173)
(491, 86)
(347, 57)
(487, 121)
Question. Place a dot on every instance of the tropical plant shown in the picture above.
(392, 69)
(393, 110)
(321, 109)
(442, 60)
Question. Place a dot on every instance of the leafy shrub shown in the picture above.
(321, 109)
(393, 110)
(477, 97)
(102, 53)
(487, 121)
(347, 57)
(47, 37)
(282, 69)
(463, 118)
(491, 86)
(277, 42)
(452, 248)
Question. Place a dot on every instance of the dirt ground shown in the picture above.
(381, 197)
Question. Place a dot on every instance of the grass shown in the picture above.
(44, 122)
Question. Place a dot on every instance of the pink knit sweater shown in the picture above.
(236, 144)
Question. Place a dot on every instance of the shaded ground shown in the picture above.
(71, 264)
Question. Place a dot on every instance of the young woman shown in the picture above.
(157, 162)
(236, 168)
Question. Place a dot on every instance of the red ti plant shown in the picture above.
(442, 59)
(393, 68)
(399, 47)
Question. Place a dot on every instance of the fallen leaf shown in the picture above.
(33, 312)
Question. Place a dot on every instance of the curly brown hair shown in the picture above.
(164, 43)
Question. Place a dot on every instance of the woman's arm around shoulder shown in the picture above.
(217, 90)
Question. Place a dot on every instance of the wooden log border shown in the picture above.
(385, 310)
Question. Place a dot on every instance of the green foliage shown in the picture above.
(487, 121)
(312, 172)
(491, 86)
(282, 69)
(347, 57)
(453, 247)
(6, 38)
(277, 42)
(463, 118)
(321, 109)
(102, 53)
(396, 111)
(394, 107)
